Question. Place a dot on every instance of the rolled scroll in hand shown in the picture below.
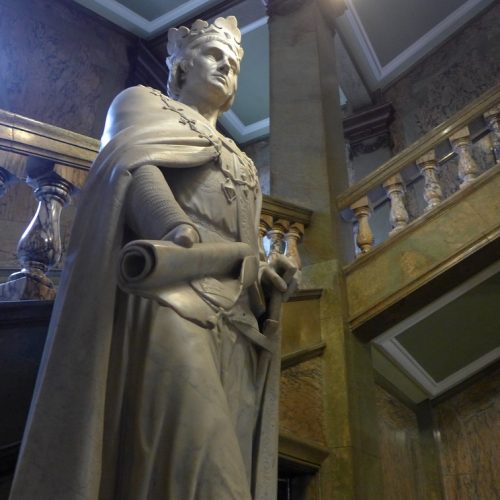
(151, 265)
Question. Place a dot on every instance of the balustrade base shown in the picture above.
(26, 288)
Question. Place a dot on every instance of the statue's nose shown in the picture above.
(224, 67)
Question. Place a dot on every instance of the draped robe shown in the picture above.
(147, 399)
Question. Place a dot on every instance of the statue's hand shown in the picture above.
(280, 274)
(183, 235)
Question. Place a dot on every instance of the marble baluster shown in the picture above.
(395, 190)
(292, 238)
(4, 176)
(6, 179)
(364, 237)
(265, 224)
(433, 194)
(40, 247)
(492, 118)
(467, 167)
(277, 234)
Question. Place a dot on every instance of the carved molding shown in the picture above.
(302, 452)
(370, 145)
(367, 123)
(283, 7)
(305, 354)
(19, 134)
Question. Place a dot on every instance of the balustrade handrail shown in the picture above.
(409, 155)
(25, 136)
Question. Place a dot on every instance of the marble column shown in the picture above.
(308, 162)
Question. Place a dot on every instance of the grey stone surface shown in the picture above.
(166, 389)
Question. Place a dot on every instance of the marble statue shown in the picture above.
(159, 379)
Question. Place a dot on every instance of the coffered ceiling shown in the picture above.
(381, 39)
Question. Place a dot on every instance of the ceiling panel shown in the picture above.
(152, 8)
(450, 339)
(252, 100)
(459, 333)
(393, 25)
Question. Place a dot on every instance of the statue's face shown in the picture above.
(212, 76)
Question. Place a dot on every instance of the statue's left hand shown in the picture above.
(184, 235)
(280, 274)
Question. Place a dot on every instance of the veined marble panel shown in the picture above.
(447, 80)
(60, 64)
(301, 402)
(469, 428)
(399, 448)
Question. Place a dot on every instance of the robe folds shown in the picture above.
(136, 399)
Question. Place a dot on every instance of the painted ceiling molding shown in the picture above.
(412, 365)
(382, 74)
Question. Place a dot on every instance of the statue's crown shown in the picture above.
(224, 29)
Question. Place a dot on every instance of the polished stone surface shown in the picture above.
(174, 384)
(446, 80)
(301, 401)
(60, 64)
(399, 448)
(469, 429)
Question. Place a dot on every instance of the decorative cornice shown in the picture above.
(370, 145)
(308, 454)
(368, 123)
(305, 354)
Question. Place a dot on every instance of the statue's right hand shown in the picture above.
(183, 235)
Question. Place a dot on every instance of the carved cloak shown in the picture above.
(63, 455)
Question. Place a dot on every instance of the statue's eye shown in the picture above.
(213, 53)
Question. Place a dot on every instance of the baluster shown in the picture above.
(265, 224)
(6, 179)
(276, 235)
(292, 237)
(395, 189)
(433, 194)
(3, 181)
(492, 118)
(40, 248)
(467, 168)
(364, 237)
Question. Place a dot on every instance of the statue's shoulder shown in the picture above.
(137, 106)
(135, 99)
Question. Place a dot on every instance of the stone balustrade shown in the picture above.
(54, 163)
(282, 224)
(450, 145)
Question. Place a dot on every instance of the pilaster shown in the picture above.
(308, 162)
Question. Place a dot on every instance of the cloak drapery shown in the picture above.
(73, 429)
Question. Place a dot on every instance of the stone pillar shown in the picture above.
(308, 163)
